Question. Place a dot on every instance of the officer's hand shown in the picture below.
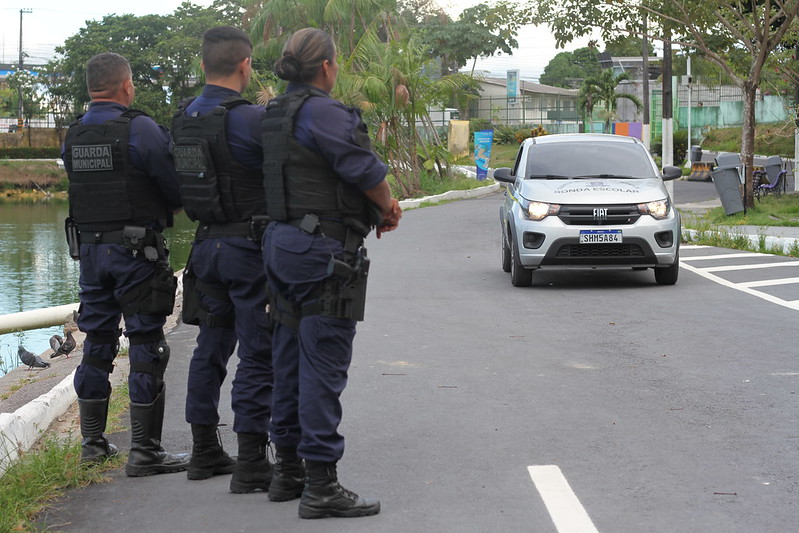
(391, 220)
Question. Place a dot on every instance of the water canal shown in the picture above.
(37, 272)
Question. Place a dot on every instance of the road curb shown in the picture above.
(22, 428)
(770, 242)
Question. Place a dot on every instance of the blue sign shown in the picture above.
(482, 151)
(513, 86)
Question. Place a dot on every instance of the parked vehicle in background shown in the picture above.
(587, 201)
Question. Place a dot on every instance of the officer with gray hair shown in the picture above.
(122, 193)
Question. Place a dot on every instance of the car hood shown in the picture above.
(593, 190)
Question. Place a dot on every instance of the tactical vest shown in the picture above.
(299, 181)
(106, 192)
(214, 186)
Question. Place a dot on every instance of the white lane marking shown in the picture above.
(721, 281)
(721, 256)
(729, 268)
(769, 282)
(565, 509)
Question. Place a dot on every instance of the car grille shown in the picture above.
(599, 215)
(599, 250)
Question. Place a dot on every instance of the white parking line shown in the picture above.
(565, 509)
(729, 268)
(769, 282)
(704, 272)
(721, 256)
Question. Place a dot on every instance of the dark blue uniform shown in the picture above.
(312, 361)
(107, 271)
(233, 265)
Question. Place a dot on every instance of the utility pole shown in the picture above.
(646, 132)
(667, 135)
(20, 121)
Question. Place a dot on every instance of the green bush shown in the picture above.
(504, 135)
(30, 152)
(478, 124)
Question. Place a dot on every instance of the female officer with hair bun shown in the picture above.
(325, 190)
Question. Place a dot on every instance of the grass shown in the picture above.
(40, 475)
(770, 139)
(769, 211)
(715, 228)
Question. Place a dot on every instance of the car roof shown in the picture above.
(581, 137)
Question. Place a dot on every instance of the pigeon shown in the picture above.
(63, 348)
(31, 359)
(55, 342)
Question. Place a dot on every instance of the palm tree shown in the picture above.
(388, 82)
(603, 88)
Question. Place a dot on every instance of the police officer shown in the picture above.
(122, 193)
(325, 189)
(218, 155)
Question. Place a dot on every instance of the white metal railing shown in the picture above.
(37, 318)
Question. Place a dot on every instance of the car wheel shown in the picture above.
(668, 275)
(506, 254)
(519, 276)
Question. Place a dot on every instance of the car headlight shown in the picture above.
(658, 210)
(541, 210)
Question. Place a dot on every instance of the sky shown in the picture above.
(50, 22)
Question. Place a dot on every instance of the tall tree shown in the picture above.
(738, 36)
(480, 31)
(134, 37)
(388, 82)
(346, 20)
(569, 69)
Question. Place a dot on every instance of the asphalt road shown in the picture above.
(665, 409)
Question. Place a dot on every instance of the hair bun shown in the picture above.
(288, 67)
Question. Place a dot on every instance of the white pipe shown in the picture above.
(38, 318)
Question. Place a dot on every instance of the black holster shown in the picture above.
(73, 238)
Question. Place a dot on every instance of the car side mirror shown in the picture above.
(504, 174)
(671, 173)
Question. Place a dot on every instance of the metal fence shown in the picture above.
(555, 113)
(714, 103)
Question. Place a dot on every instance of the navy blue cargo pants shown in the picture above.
(235, 265)
(108, 271)
(311, 361)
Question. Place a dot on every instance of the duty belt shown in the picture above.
(252, 229)
(314, 225)
(111, 237)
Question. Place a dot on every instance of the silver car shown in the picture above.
(587, 201)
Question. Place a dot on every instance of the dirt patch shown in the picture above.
(42, 174)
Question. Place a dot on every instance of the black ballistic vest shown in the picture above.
(299, 181)
(215, 187)
(106, 192)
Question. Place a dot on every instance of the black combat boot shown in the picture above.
(253, 471)
(94, 447)
(324, 496)
(207, 456)
(147, 456)
(288, 475)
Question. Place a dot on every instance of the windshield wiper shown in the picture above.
(604, 176)
(548, 177)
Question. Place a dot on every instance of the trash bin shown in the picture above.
(727, 180)
(696, 154)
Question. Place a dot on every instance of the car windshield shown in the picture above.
(564, 160)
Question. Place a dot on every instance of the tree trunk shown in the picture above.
(748, 141)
